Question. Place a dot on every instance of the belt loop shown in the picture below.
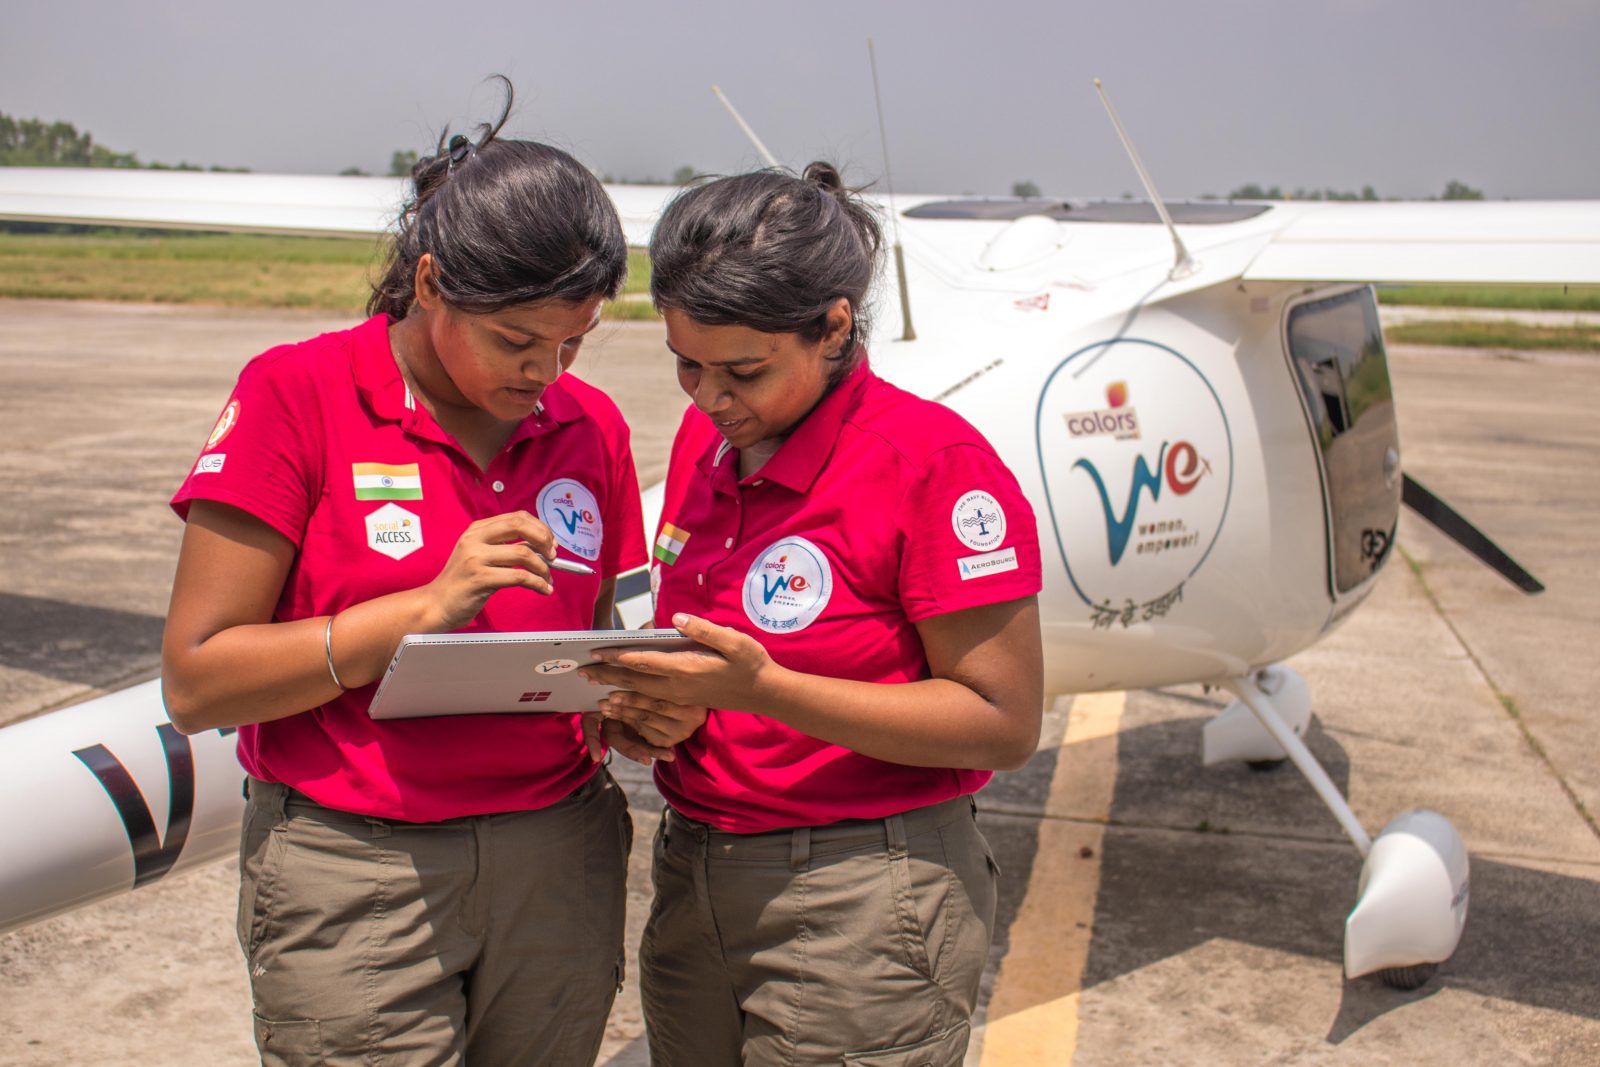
(380, 827)
(799, 847)
(270, 795)
(895, 834)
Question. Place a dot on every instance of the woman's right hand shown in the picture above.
(492, 554)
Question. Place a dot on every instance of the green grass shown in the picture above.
(638, 271)
(1532, 297)
(1497, 335)
(230, 270)
(224, 270)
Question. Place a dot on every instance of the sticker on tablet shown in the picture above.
(556, 666)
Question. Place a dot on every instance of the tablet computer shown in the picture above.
(478, 673)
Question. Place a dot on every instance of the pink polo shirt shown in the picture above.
(881, 509)
(323, 442)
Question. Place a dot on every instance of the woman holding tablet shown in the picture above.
(437, 889)
(865, 568)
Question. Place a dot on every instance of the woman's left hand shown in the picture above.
(656, 722)
(728, 672)
(600, 733)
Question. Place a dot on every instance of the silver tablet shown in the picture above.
(474, 674)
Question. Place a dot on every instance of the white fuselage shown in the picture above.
(1158, 428)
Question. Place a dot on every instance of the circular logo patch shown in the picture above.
(978, 521)
(787, 586)
(556, 666)
(573, 515)
(1140, 474)
(227, 421)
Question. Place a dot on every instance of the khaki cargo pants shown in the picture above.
(860, 942)
(492, 939)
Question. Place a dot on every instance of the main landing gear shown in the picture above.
(1412, 899)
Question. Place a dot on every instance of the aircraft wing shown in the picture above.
(302, 204)
(1541, 243)
(261, 203)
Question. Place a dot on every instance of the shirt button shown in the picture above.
(758, 481)
(728, 543)
(498, 486)
(702, 579)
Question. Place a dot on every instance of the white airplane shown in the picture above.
(1200, 412)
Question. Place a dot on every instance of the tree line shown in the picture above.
(36, 143)
(1453, 190)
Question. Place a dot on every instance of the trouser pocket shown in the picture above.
(945, 1049)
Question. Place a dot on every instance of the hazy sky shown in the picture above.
(1404, 95)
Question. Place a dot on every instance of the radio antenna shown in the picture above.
(745, 126)
(1185, 264)
(908, 334)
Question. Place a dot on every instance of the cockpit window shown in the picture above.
(1337, 350)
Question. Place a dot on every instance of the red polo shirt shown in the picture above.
(881, 509)
(324, 443)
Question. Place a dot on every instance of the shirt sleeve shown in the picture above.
(623, 548)
(968, 536)
(265, 456)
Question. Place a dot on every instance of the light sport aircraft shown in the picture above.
(1208, 439)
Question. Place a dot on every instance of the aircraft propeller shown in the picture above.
(1455, 526)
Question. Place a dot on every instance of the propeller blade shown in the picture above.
(1453, 525)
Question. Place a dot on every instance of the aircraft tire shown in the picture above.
(1408, 978)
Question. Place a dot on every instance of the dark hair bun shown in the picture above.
(507, 222)
(825, 175)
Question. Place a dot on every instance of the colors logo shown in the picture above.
(1116, 419)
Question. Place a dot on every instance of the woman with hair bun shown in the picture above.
(426, 890)
(865, 570)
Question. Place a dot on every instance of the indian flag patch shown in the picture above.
(670, 543)
(384, 481)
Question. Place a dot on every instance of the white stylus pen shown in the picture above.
(570, 566)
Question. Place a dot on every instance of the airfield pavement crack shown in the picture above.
(1012, 811)
(1508, 703)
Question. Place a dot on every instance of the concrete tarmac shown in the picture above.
(1153, 911)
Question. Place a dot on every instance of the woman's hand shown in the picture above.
(492, 554)
(658, 722)
(600, 733)
(730, 671)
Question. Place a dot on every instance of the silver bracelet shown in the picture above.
(327, 647)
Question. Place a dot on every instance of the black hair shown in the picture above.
(770, 251)
(507, 222)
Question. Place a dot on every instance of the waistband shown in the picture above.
(798, 845)
(283, 800)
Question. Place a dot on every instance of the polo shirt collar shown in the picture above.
(799, 459)
(377, 375)
(378, 380)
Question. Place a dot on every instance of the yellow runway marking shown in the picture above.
(1033, 1014)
